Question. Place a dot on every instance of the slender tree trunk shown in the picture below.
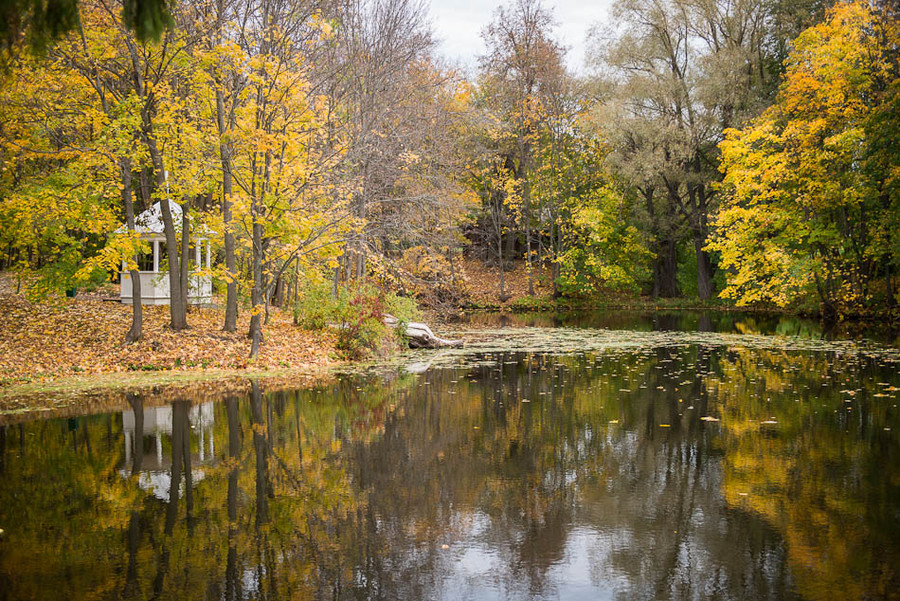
(137, 308)
(557, 253)
(225, 153)
(527, 217)
(256, 292)
(231, 308)
(503, 296)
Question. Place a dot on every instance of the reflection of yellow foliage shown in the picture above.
(800, 478)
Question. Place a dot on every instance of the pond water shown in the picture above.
(620, 456)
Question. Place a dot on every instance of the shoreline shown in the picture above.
(99, 393)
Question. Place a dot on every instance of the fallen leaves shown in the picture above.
(42, 343)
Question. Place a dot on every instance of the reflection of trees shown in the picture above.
(232, 570)
(538, 470)
(350, 490)
(825, 476)
(181, 459)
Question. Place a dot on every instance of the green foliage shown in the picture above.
(357, 313)
(44, 219)
(604, 249)
(44, 22)
(316, 306)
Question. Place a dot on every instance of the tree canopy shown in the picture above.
(743, 149)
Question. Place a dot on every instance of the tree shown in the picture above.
(281, 152)
(680, 72)
(387, 88)
(812, 203)
(90, 135)
(522, 68)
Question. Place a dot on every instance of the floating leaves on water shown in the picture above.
(708, 418)
(485, 347)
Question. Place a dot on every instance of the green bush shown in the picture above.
(316, 307)
(356, 312)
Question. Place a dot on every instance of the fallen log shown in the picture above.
(419, 334)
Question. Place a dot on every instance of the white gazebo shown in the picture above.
(154, 275)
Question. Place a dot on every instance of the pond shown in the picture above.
(619, 456)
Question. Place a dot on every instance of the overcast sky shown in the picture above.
(458, 25)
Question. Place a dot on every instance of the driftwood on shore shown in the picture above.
(420, 335)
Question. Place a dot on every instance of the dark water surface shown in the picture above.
(741, 458)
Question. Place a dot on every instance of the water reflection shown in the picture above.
(517, 476)
(155, 471)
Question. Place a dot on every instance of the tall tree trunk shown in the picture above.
(557, 253)
(177, 308)
(665, 269)
(704, 265)
(231, 308)
(257, 291)
(137, 308)
(527, 217)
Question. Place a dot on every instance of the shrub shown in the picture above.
(316, 307)
(357, 313)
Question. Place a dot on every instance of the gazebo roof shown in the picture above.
(151, 221)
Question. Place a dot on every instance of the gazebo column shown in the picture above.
(156, 256)
(208, 255)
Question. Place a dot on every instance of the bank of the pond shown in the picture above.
(481, 293)
(87, 395)
(76, 340)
